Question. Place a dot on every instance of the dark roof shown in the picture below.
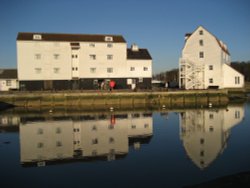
(140, 54)
(222, 47)
(70, 37)
(8, 74)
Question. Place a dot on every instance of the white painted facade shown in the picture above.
(8, 84)
(8, 80)
(60, 55)
(205, 133)
(205, 63)
(73, 60)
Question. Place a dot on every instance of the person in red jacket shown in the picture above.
(111, 85)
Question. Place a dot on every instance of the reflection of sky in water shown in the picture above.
(126, 149)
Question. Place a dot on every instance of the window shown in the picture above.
(76, 130)
(109, 45)
(133, 126)
(92, 45)
(58, 130)
(201, 54)
(8, 82)
(74, 68)
(37, 37)
(202, 141)
(201, 42)
(40, 145)
(211, 80)
(109, 38)
(145, 68)
(92, 70)
(202, 153)
(237, 114)
(56, 70)
(237, 80)
(210, 67)
(92, 56)
(109, 57)
(38, 56)
(109, 70)
(39, 131)
(74, 56)
(58, 144)
(140, 80)
(201, 32)
(38, 70)
(95, 141)
(56, 56)
(211, 116)
(132, 68)
(111, 140)
(94, 128)
(146, 125)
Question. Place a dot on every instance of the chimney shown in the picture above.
(187, 35)
(134, 48)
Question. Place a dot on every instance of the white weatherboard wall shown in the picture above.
(101, 63)
(8, 84)
(230, 77)
(215, 55)
(28, 64)
(139, 68)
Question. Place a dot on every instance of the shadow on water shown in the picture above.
(235, 180)
(5, 106)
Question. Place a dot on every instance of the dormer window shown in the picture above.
(37, 37)
(108, 39)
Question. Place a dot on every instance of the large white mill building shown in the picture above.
(205, 63)
(54, 61)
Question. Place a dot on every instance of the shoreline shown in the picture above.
(120, 99)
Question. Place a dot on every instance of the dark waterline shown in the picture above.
(121, 149)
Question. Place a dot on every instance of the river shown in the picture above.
(141, 148)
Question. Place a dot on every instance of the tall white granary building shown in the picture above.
(205, 63)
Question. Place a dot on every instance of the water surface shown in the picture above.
(167, 148)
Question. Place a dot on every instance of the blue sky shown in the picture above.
(158, 25)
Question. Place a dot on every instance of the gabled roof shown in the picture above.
(8, 74)
(141, 54)
(69, 37)
(187, 35)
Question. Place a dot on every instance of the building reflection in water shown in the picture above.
(88, 137)
(205, 132)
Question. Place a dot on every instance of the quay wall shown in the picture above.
(115, 99)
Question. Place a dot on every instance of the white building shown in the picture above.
(77, 61)
(8, 79)
(86, 137)
(205, 133)
(205, 63)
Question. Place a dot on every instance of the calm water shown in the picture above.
(123, 149)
